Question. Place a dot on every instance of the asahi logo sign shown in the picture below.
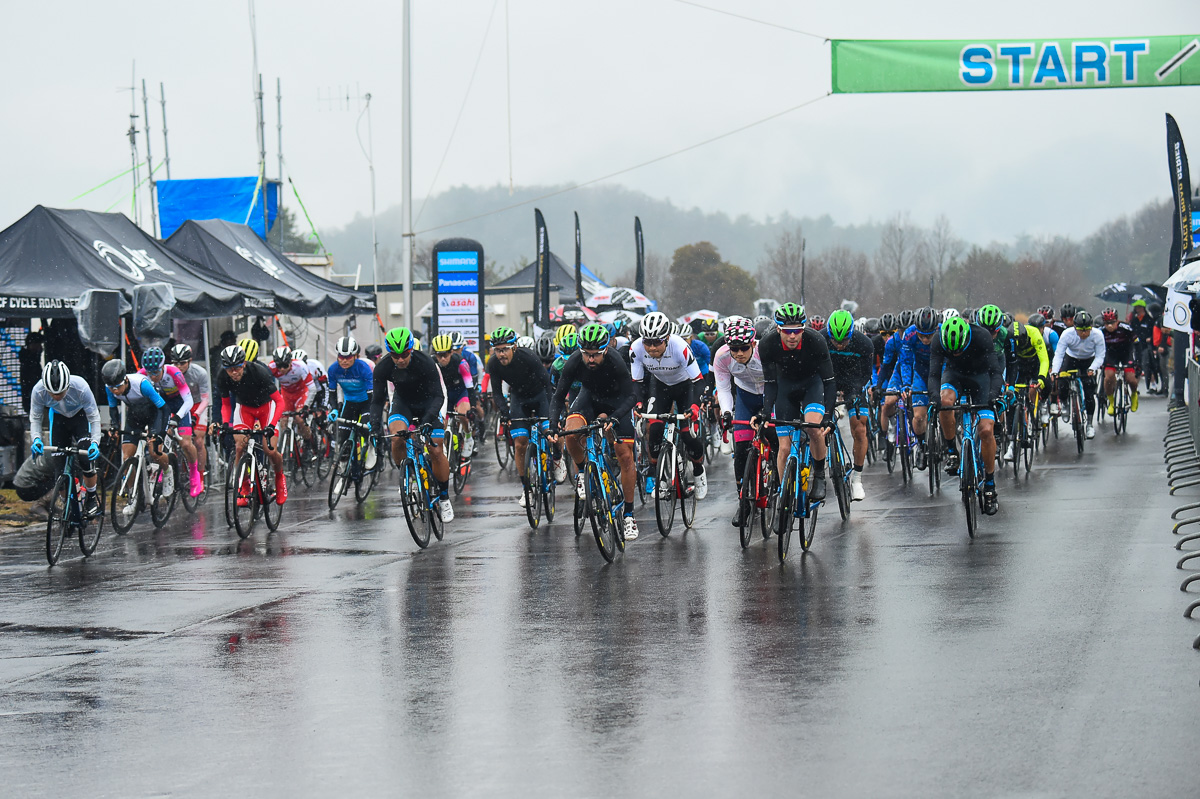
(133, 265)
(262, 263)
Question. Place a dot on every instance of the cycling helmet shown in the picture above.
(374, 352)
(956, 334)
(301, 356)
(562, 333)
(346, 347)
(841, 324)
(1007, 320)
(113, 372)
(545, 348)
(656, 325)
(1083, 320)
(761, 318)
(594, 336)
(399, 340)
(567, 341)
(991, 317)
(153, 359)
(181, 353)
(927, 321)
(1109, 315)
(740, 333)
(684, 331)
(1046, 311)
(907, 317)
(968, 313)
(763, 326)
(525, 342)
(504, 337)
(442, 344)
(575, 316)
(817, 323)
(1067, 311)
(56, 377)
(949, 312)
(283, 357)
(250, 347)
(709, 326)
(232, 356)
(458, 340)
(1037, 320)
(790, 314)
(887, 323)
(872, 326)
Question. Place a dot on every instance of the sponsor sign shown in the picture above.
(1178, 313)
(458, 289)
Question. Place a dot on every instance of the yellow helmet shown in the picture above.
(250, 346)
(442, 343)
(564, 332)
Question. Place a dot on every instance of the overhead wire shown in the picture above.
(752, 19)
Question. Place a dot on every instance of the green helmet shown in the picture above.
(956, 334)
(789, 314)
(399, 340)
(504, 336)
(593, 336)
(990, 316)
(568, 341)
(840, 325)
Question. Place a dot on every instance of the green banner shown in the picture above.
(870, 65)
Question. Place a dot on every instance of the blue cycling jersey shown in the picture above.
(355, 382)
(891, 354)
(702, 354)
(472, 363)
(914, 358)
(1051, 336)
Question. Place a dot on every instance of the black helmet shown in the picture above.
(1067, 311)
(113, 372)
(1083, 320)
(374, 352)
(872, 326)
(1037, 320)
(232, 356)
(927, 321)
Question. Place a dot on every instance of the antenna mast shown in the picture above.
(279, 130)
(162, 95)
(149, 161)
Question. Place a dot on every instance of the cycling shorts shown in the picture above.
(589, 408)
(977, 389)
(856, 405)
(456, 397)
(137, 418)
(174, 403)
(429, 413)
(797, 400)
(527, 408)
(245, 417)
(1128, 367)
(745, 406)
(292, 400)
(72, 431)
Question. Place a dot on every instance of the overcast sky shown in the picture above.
(596, 87)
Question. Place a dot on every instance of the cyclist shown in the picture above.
(1079, 350)
(319, 375)
(528, 396)
(850, 353)
(666, 377)
(964, 359)
(354, 375)
(700, 351)
(887, 370)
(73, 417)
(460, 387)
(1030, 362)
(250, 347)
(1120, 341)
(708, 331)
(913, 372)
(817, 323)
(991, 319)
(173, 388)
(737, 363)
(201, 389)
(251, 386)
(418, 398)
(145, 408)
(797, 380)
(1066, 317)
(605, 394)
(295, 386)
(373, 352)
(546, 350)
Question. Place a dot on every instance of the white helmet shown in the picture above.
(949, 312)
(525, 342)
(656, 324)
(300, 355)
(56, 377)
(346, 346)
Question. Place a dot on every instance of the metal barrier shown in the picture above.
(1181, 451)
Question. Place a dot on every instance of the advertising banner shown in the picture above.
(1181, 192)
(458, 271)
(877, 65)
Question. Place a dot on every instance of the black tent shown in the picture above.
(51, 256)
(235, 252)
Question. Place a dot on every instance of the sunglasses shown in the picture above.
(745, 348)
(402, 356)
(505, 348)
(653, 342)
(791, 331)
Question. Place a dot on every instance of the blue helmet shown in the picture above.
(153, 359)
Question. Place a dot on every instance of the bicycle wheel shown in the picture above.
(162, 502)
(748, 500)
(808, 528)
(933, 455)
(531, 487)
(245, 496)
(413, 500)
(323, 456)
(366, 482)
(967, 480)
(126, 496)
(1121, 420)
(339, 481)
(301, 453)
(1077, 421)
(665, 495)
(460, 471)
(1027, 439)
(58, 523)
(92, 528)
(686, 489)
(889, 456)
(504, 450)
(906, 466)
(548, 484)
(454, 450)
(837, 473)
(783, 513)
(768, 485)
(434, 517)
(600, 513)
(190, 504)
(271, 509)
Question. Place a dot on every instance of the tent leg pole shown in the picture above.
(207, 351)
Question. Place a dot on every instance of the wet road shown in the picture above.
(1048, 657)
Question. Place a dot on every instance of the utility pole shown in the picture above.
(803, 243)
(406, 165)
(279, 131)
(262, 155)
(162, 95)
(132, 133)
(149, 161)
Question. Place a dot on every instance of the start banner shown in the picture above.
(878, 65)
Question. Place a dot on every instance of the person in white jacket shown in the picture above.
(1080, 349)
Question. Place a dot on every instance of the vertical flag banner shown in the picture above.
(1181, 191)
(578, 263)
(458, 283)
(639, 242)
(878, 65)
(541, 286)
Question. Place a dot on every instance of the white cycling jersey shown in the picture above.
(78, 399)
(1071, 343)
(674, 367)
(748, 376)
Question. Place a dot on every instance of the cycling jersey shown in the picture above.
(355, 382)
(800, 379)
(913, 362)
(146, 406)
(296, 380)
(1029, 350)
(608, 385)
(77, 400)
(201, 388)
(1071, 343)
(748, 377)
(676, 365)
(171, 384)
(472, 362)
(1118, 345)
(1143, 329)
(456, 375)
(418, 393)
(527, 379)
(891, 356)
(255, 390)
(978, 370)
(852, 365)
(702, 354)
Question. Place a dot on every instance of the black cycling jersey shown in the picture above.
(1118, 345)
(785, 369)
(525, 375)
(451, 377)
(1143, 329)
(608, 384)
(979, 358)
(852, 366)
(419, 384)
(254, 389)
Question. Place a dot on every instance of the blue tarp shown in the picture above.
(215, 198)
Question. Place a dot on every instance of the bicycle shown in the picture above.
(793, 490)
(1024, 428)
(1077, 405)
(904, 440)
(539, 473)
(709, 428)
(173, 447)
(502, 439)
(1121, 405)
(673, 471)
(322, 444)
(840, 466)
(760, 488)
(420, 501)
(351, 464)
(970, 466)
(141, 484)
(603, 502)
(66, 506)
(251, 486)
(295, 449)
(933, 453)
(456, 436)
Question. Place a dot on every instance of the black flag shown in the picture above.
(640, 279)
(1181, 190)
(578, 263)
(541, 285)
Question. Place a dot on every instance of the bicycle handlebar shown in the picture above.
(52, 450)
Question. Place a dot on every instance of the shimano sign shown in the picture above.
(458, 289)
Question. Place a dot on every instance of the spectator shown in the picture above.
(30, 359)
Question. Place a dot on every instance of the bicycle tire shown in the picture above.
(434, 517)
(933, 455)
(549, 487)
(244, 516)
(58, 525)
(783, 514)
(748, 500)
(837, 473)
(808, 528)
(91, 529)
(665, 501)
(366, 481)
(889, 456)
(967, 479)
(1027, 440)
(531, 487)
(1077, 421)
(503, 444)
(162, 506)
(906, 469)
(415, 508)
(460, 470)
(770, 484)
(190, 504)
(339, 478)
(324, 454)
(300, 452)
(272, 511)
(600, 513)
(686, 487)
(126, 492)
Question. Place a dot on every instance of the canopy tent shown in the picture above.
(235, 252)
(51, 256)
(561, 275)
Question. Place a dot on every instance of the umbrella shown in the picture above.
(1128, 292)
(704, 313)
(618, 297)
(556, 313)
(628, 317)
